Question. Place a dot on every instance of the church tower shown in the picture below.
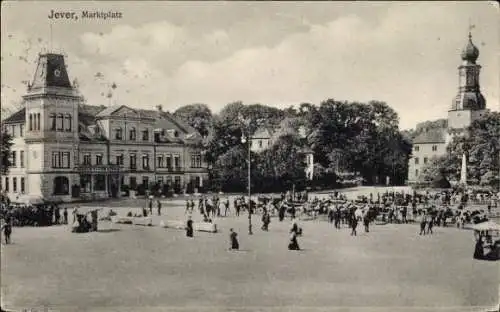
(469, 104)
(51, 128)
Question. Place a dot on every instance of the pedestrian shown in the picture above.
(366, 222)
(430, 224)
(7, 230)
(233, 238)
(57, 215)
(354, 225)
(226, 207)
(293, 244)
(281, 213)
(189, 227)
(188, 205)
(65, 215)
(266, 219)
(158, 202)
(423, 223)
(151, 206)
(237, 207)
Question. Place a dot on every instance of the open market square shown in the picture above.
(136, 268)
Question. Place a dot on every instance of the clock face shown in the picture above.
(57, 73)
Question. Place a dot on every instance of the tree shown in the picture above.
(197, 116)
(481, 145)
(6, 144)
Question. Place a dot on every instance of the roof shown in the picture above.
(17, 117)
(431, 136)
(262, 133)
(51, 72)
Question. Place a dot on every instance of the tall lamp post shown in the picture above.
(245, 140)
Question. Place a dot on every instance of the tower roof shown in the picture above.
(470, 52)
(51, 72)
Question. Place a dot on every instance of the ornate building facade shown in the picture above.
(468, 105)
(63, 149)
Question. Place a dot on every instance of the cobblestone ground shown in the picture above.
(137, 268)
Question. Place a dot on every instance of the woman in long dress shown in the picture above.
(233, 237)
(293, 245)
(189, 227)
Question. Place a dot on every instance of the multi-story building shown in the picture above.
(63, 149)
(468, 105)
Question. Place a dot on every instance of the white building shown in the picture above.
(63, 149)
(468, 105)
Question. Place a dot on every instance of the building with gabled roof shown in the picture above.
(64, 149)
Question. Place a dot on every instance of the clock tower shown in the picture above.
(469, 104)
(51, 126)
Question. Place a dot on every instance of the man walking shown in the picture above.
(266, 219)
(159, 207)
(423, 223)
(65, 215)
(7, 230)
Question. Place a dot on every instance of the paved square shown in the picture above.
(136, 267)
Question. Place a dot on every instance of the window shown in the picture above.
(159, 180)
(38, 121)
(21, 130)
(6, 184)
(145, 135)
(168, 161)
(177, 182)
(85, 183)
(13, 130)
(87, 160)
(98, 159)
(133, 161)
(260, 143)
(196, 160)
(416, 172)
(416, 148)
(159, 162)
(60, 122)
(132, 134)
(14, 184)
(145, 182)
(53, 122)
(177, 163)
(416, 160)
(425, 160)
(22, 185)
(68, 122)
(119, 134)
(61, 186)
(145, 162)
(60, 160)
(434, 148)
(100, 182)
(31, 122)
(119, 160)
(14, 159)
(21, 159)
(133, 182)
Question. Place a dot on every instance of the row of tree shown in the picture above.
(363, 138)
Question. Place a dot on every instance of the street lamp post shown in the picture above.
(244, 140)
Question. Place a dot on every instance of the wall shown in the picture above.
(424, 150)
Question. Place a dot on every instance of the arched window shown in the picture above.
(38, 121)
(133, 134)
(31, 122)
(60, 122)
(61, 186)
(53, 122)
(68, 122)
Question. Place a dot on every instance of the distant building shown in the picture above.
(468, 105)
(64, 149)
(264, 138)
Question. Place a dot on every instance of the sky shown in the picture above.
(273, 53)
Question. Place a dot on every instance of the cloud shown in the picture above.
(407, 56)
